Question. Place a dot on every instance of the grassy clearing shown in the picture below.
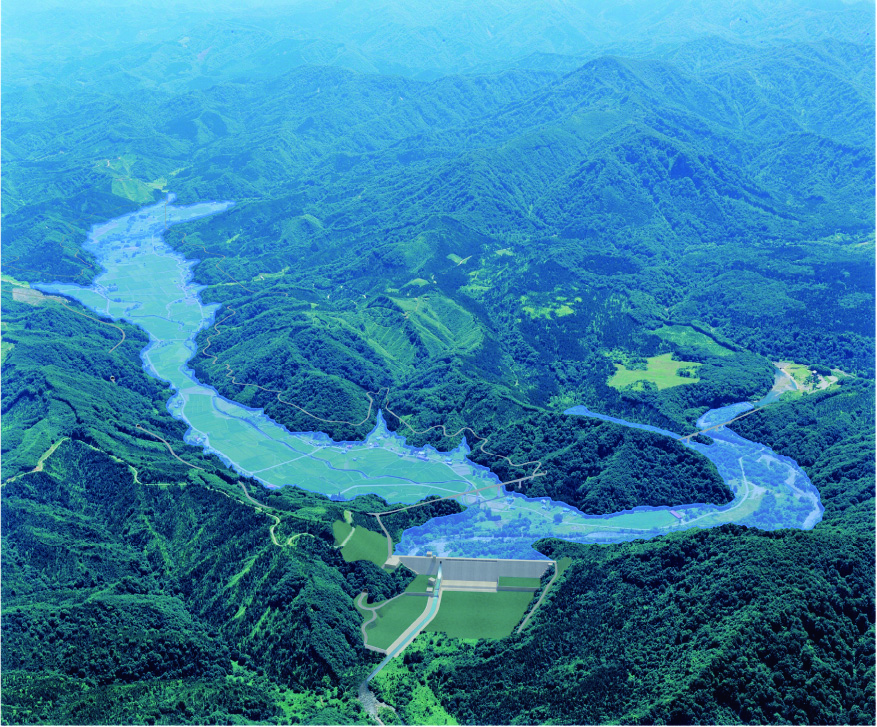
(688, 336)
(135, 190)
(313, 220)
(340, 530)
(563, 564)
(662, 371)
(419, 584)
(125, 185)
(441, 324)
(12, 281)
(394, 618)
(519, 582)
(560, 307)
(311, 513)
(365, 545)
(466, 615)
(807, 379)
(270, 276)
(800, 373)
(480, 281)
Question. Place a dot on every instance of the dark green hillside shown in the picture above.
(167, 615)
(341, 358)
(600, 468)
(372, 182)
(639, 192)
(719, 626)
(725, 626)
(123, 579)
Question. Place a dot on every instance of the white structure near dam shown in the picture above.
(474, 574)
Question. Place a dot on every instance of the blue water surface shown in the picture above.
(146, 282)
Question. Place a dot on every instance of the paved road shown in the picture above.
(414, 630)
(541, 598)
(374, 609)
(366, 696)
(349, 536)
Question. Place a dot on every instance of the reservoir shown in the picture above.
(147, 283)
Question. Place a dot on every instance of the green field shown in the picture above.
(517, 582)
(688, 336)
(466, 615)
(125, 185)
(418, 585)
(441, 323)
(807, 379)
(365, 545)
(559, 308)
(135, 190)
(660, 371)
(800, 373)
(563, 564)
(340, 530)
(9, 279)
(394, 618)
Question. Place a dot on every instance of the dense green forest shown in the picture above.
(475, 222)
(148, 623)
(723, 626)
(137, 589)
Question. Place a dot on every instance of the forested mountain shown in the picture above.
(723, 626)
(182, 45)
(121, 575)
(482, 212)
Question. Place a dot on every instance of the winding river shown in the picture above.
(146, 282)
